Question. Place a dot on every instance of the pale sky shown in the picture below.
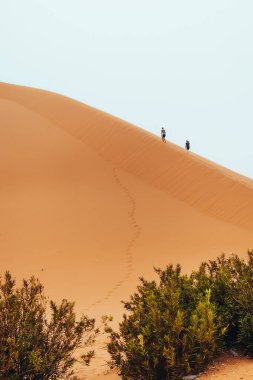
(186, 65)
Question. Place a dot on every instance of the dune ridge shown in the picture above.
(89, 203)
(106, 134)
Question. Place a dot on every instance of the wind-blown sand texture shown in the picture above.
(90, 202)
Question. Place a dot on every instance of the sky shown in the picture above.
(186, 65)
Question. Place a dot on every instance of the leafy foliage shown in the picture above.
(231, 283)
(170, 330)
(31, 347)
(177, 325)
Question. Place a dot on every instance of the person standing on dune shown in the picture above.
(163, 134)
(187, 145)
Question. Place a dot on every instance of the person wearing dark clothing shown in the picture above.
(163, 134)
(187, 145)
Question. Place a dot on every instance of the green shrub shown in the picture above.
(231, 283)
(31, 346)
(169, 330)
(175, 327)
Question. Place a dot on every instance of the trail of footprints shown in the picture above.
(131, 243)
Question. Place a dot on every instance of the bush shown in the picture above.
(176, 327)
(31, 346)
(231, 283)
(170, 330)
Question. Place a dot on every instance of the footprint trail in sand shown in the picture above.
(129, 248)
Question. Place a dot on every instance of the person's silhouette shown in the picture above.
(187, 145)
(163, 134)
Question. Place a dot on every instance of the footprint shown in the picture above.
(130, 245)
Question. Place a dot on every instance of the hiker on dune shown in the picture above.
(163, 134)
(187, 145)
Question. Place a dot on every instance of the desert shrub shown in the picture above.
(169, 330)
(33, 346)
(231, 282)
(175, 326)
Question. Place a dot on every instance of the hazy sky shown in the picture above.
(186, 65)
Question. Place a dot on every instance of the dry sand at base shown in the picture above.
(229, 368)
(89, 203)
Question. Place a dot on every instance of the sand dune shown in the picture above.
(89, 202)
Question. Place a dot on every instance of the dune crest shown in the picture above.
(90, 202)
(181, 174)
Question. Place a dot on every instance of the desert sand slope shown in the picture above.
(89, 202)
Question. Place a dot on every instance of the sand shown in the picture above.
(229, 368)
(89, 203)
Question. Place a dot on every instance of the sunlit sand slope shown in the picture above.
(89, 202)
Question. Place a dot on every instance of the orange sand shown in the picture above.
(229, 368)
(89, 202)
